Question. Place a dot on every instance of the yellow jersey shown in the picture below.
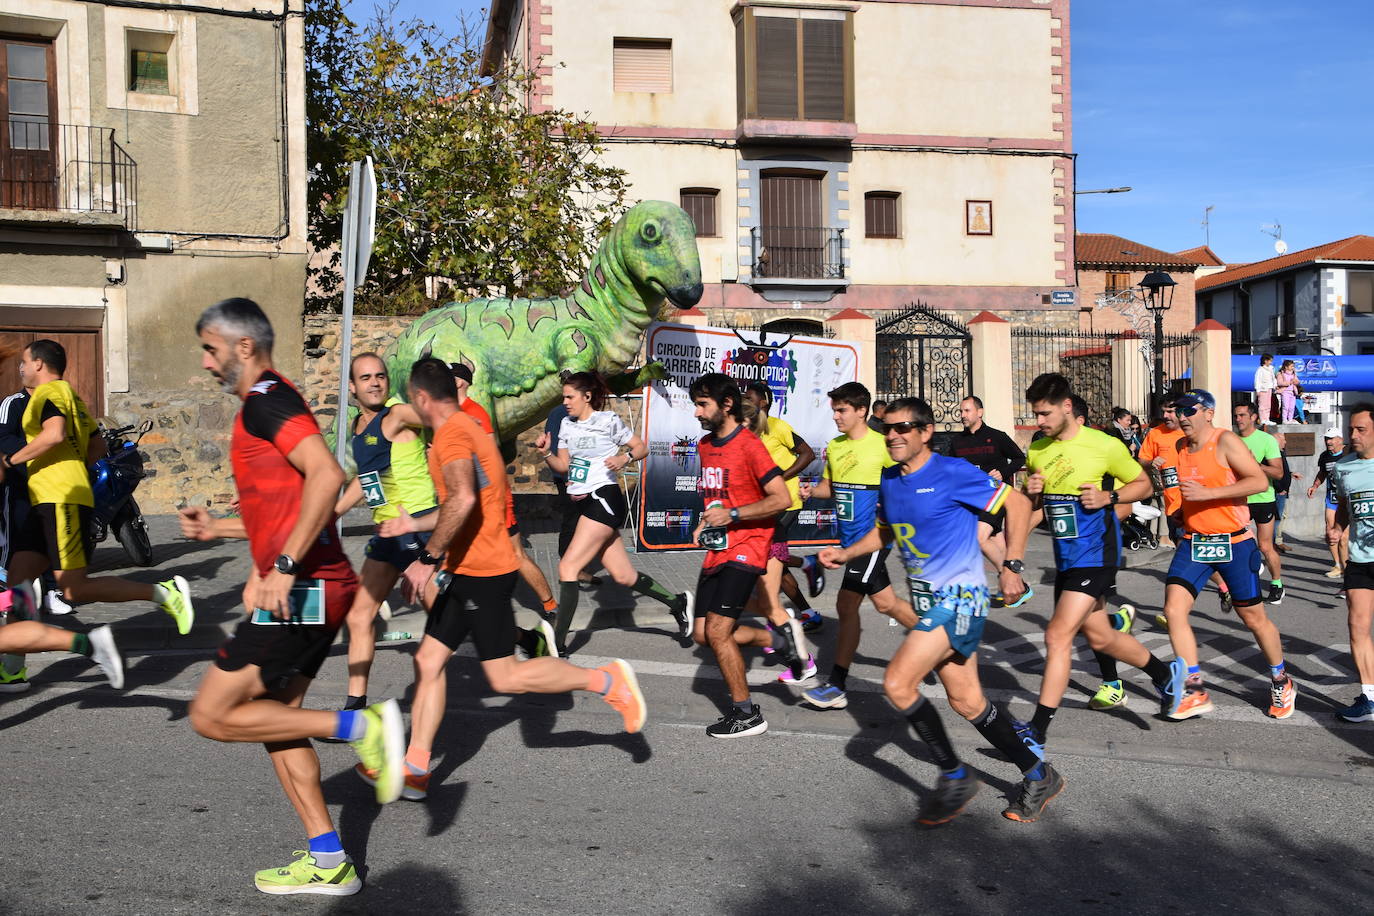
(60, 475)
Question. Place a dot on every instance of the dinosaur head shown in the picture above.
(658, 250)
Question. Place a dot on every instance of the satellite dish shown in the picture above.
(1281, 246)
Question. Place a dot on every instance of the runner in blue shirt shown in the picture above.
(930, 505)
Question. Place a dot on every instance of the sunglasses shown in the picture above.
(903, 427)
(1188, 411)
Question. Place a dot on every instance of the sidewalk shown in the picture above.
(218, 570)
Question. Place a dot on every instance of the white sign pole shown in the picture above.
(360, 215)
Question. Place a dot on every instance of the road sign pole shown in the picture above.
(358, 225)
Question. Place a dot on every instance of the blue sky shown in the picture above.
(1260, 109)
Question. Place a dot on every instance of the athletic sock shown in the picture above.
(351, 725)
(1195, 671)
(352, 702)
(550, 605)
(645, 585)
(1277, 583)
(417, 761)
(1044, 715)
(994, 724)
(1368, 691)
(838, 675)
(567, 607)
(606, 681)
(1277, 671)
(327, 851)
(925, 721)
(1223, 588)
(745, 706)
(81, 644)
(1158, 671)
(1107, 664)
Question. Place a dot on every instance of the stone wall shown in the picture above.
(187, 450)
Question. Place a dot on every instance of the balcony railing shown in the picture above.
(71, 168)
(798, 253)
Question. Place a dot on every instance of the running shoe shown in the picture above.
(105, 653)
(1334, 572)
(826, 696)
(1027, 595)
(736, 724)
(56, 604)
(178, 603)
(1224, 599)
(1030, 737)
(588, 584)
(1362, 710)
(550, 641)
(684, 612)
(1275, 596)
(1123, 618)
(14, 683)
(997, 600)
(815, 575)
(1161, 621)
(303, 876)
(794, 653)
(415, 787)
(949, 797)
(1196, 702)
(807, 673)
(1173, 692)
(811, 620)
(624, 696)
(1035, 794)
(381, 750)
(1109, 696)
(1283, 698)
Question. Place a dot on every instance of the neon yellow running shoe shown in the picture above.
(382, 749)
(178, 603)
(1123, 618)
(1109, 696)
(303, 876)
(1161, 621)
(13, 683)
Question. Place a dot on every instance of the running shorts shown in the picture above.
(965, 631)
(59, 531)
(778, 549)
(1241, 574)
(1093, 581)
(480, 607)
(724, 590)
(1263, 513)
(285, 651)
(1359, 575)
(398, 551)
(605, 505)
(867, 574)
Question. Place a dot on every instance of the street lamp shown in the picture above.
(1157, 289)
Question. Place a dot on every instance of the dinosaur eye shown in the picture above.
(649, 232)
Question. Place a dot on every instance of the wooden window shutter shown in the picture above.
(880, 214)
(643, 65)
(1118, 281)
(823, 66)
(700, 204)
(777, 67)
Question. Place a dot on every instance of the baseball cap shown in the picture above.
(1196, 398)
(1333, 432)
(461, 371)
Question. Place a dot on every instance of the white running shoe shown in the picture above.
(56, 604)
(105, 653)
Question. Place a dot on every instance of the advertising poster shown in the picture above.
(798, 370)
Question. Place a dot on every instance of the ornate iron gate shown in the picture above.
(925, 354)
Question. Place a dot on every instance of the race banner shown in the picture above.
(798, 370)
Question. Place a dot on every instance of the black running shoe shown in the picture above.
(684, 614)
(1225, 599)
(947, 799)
(1034, 795)
(1275, 596)
(735, 724)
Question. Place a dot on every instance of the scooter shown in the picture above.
(114, 479)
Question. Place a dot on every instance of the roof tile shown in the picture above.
(1355, 248)
(1093, 249)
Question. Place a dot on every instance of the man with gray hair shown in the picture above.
(300, 588)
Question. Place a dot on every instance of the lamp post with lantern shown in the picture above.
(1157, 290)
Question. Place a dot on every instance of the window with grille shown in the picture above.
(700, 204)
(643, 65)
(880, 214)
(794, 64)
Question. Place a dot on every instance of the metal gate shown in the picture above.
(929, 355)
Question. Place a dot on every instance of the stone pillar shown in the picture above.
(992, 371)
(693, 316)
(853, 326)
(1130, 376)
(1211, 361)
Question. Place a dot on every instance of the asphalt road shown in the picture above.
(113, 804)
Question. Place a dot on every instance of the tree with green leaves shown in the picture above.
(476, 192)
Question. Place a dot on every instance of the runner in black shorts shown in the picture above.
(299, 590)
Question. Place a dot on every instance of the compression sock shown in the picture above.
(1108, 666)
(925, 721)
(647, 586)
(81, 644)
(353, 702)
(327, 851)
(567, 607)
(1044, 715)
(994, 724)
(838, 675)
(1277, 671)
(1158, 671)
(417, 761)
(351, 725)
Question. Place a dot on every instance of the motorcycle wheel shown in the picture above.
(132, 533)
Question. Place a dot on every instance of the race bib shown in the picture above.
(922, 595)
(844, 505)
(306, 602)
(1211, 548)
(1063, 521)
(1362, 506)
(578, 469)
(714, 538)
(1169, 476)
(373, 491)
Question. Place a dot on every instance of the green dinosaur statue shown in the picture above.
(517, 347)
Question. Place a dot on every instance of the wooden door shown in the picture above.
(792, 225)
(29, 139)
(85, 362)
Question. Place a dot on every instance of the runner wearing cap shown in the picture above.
(1216, 473)
(1335, 534)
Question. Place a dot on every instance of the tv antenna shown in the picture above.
(1207, 224)
(1276, 230)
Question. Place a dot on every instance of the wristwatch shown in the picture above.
(1116, 497)
(5, 460)
(1016, 566)
(734, 515)
(429, 559)
(285, 564)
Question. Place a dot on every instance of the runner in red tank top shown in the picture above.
(1216, 473)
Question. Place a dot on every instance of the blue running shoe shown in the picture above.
(826, 696)
(1172, 694)
(1026, 732)
(1027, 595)
(1362, 710)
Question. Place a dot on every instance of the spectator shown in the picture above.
(1288, 389)
(1265, 383)
(875, 416)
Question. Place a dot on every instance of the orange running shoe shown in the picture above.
(1283, 698)
(414, 788)
(1196, 702)
(624, 695)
